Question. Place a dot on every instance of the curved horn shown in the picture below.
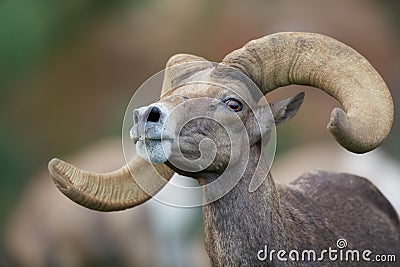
(109, 191)
(117, 190)
(312, 59)
(179, 68)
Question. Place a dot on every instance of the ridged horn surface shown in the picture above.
(111, 191)
(319, 61)
(179, 69)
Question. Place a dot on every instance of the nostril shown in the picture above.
(154, 115)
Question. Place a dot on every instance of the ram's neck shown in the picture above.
(241, 223)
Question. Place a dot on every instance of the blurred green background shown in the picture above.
(69, 68)
(43, 85)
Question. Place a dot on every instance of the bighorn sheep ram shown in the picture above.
(311, 213)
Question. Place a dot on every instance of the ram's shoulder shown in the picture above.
(341, 189)
(316, 181)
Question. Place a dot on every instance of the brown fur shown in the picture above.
(312, 212)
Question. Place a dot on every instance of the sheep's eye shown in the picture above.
(234, 105)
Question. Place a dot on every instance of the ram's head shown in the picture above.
(201, 100)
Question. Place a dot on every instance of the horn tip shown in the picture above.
(338, 121)
(340, 127)
(57, 172)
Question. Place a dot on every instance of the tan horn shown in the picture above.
(316, 60)
(179, 69)
(112, 191)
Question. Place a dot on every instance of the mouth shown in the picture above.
(144, 138)
(154, 150)
(153, 142)
(151, 139)
(149, 132)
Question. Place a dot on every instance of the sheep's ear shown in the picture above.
(285, 109)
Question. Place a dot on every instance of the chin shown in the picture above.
(154, 151)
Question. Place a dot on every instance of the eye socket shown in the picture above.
(234, 104)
